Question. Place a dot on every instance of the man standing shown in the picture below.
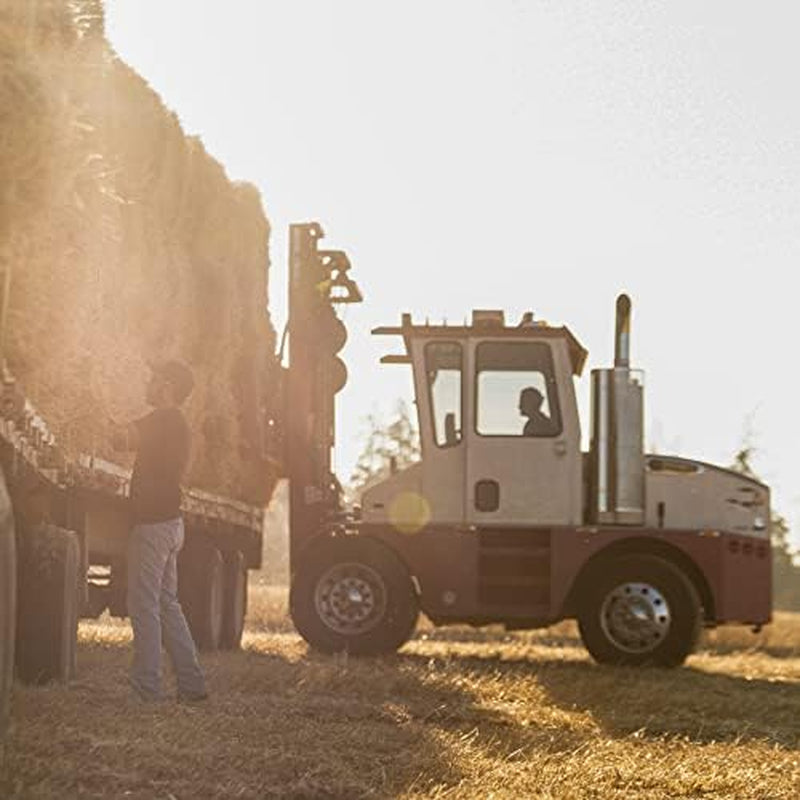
(161, 441)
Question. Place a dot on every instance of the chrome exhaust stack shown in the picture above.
(622, 333)
(616, 454)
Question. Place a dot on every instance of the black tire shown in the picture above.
(381, 618)
(234, 601)
(48, 606)
(201, 591)
(8, 604)
(639, 610)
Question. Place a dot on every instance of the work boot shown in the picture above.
(192, 698)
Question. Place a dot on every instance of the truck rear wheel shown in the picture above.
(234, 606)
(201, 588)
(353, 594)
(639, 610)
(48, 606)
(8, 604)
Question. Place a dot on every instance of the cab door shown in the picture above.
(523, 438)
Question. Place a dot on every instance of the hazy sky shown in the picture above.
(523, 154)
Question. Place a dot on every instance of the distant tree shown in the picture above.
(386, 446)
(785, 572)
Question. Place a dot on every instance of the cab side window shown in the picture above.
(516, 390)
(443, 369)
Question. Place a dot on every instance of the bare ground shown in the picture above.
(458, 713)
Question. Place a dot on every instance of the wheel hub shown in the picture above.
(635, 617)
(350, 598)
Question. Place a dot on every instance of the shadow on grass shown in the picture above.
(648, 703)
(282, 722)
(651, 703)
(685, 703)
(415, 724)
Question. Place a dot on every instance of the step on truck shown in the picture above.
(505, 520)
(64, 525)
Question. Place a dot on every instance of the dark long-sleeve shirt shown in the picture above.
(161, 459)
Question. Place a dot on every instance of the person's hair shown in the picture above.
(180, 377)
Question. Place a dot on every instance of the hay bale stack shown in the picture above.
(127, 243)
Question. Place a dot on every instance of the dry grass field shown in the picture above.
(458, 713)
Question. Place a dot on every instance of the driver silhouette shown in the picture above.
(530, 406)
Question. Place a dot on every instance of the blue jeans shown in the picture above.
(156, 613)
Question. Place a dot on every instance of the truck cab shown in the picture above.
(499, 427)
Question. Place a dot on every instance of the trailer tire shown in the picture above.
(48, 606)
(639, 610)
(201, 591)
(234, 600)
(353, 594)
(8, 604)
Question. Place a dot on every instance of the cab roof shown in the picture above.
(484, 324)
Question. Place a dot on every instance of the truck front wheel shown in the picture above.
(355, 595)
(639, 610)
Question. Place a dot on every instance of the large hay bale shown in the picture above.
(128, 243)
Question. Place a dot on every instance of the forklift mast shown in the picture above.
(318, 282)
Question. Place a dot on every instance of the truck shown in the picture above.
(505, 519)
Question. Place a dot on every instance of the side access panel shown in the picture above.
(514, 573)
